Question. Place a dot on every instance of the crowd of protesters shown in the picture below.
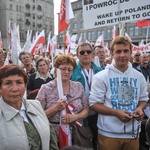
(109, 97)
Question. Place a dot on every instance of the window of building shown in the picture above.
(93, 35)
(136, 31)
(75, 15)
(131, 30)
(102, 32)
(89, 35)
(75, 26)
(98, 33)
(11, 6)
(144, 30)
(16, 7)
(81, 24)
(84, 35)
(109, 35)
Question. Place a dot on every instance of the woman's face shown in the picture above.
(12, 90)
(66, 71)
(42, 67)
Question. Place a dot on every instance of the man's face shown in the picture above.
(144, 59)
(26, 59)
(100, 52)
(85, 55)
(121, 55)
(137, 56)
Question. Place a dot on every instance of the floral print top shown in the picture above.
(48, 96)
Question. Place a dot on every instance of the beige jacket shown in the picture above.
(12, 131)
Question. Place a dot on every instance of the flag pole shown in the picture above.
(64, 42)
(147, 32)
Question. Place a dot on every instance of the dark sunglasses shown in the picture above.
(87, 51)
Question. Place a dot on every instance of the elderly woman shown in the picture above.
(23, 123)
(42, 76)
(74, 91)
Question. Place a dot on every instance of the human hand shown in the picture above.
(68, 118)
(124, 116)
(60, 104)
(138, 114)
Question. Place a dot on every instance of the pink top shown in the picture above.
(48, 96)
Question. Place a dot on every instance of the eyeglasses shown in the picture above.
(87, 51)
(66, 69)
(138, 55)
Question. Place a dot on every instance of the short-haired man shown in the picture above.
(144, 67)
(83, 73)
(136, 59)
(100, 52)
(119, 95)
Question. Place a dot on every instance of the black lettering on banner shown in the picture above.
(103, 4)
(146, 7)
(105, 15)
(146, 14)
(121, 1)
(99, 23)
(136, 16)
(117, 13)
(118, 19)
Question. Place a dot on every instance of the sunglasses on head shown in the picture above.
(87, 51)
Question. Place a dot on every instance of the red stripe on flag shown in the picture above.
(39, 41)
(143, 23)
(62, 17)
(63, 141)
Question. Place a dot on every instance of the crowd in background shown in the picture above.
(77, 71)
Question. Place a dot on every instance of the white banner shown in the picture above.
(98, 13)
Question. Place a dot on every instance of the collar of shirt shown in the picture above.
(39, 76)
(22, 112)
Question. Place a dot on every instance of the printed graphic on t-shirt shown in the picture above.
(124, 93)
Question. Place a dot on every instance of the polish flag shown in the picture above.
(64, 130)
(100, 40)
(66, 13)
(39, 40)
(67, 38)
(48, 49)
(114, 34)
(9, 28)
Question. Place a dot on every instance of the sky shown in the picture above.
(56, 11)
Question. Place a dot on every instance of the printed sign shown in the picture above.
(98, 13)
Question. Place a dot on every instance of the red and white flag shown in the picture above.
(9, 28)
(1, 42)
(66, 13)
(114, 34)
(67, 38)
(48, 49)
(100, 40)
(64, 130)
(39, 40)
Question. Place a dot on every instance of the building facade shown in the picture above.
(34, 15)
